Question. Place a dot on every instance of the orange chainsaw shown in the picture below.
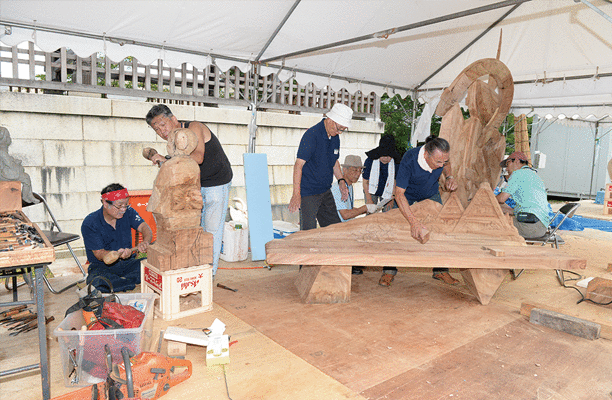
(145, 376)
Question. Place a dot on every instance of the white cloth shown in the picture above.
(423, 125)
(375, 173)
(421, 159)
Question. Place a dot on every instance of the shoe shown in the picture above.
(446, 278)
(386, 279)
(357, 271)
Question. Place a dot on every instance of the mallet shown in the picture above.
(113, 256)
(149, 153)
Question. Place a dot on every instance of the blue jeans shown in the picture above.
(214, 211)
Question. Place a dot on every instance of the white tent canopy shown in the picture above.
(559, 51)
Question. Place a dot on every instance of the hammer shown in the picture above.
(149, 153)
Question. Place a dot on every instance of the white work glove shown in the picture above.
(371, 208)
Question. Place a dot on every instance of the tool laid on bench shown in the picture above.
(145, 376)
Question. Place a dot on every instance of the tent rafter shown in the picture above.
(477, 38)
(385, 33)
(278, 28)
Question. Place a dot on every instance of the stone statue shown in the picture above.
(12, 170)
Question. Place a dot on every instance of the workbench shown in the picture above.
(479, 240)
(36, 272)
(21, 262)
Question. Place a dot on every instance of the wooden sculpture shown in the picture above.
(477, 147)
(176, 204)
(478, 239)
(12, 170)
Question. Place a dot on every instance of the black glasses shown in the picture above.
(123, 207)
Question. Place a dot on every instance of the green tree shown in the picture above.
(396, 113)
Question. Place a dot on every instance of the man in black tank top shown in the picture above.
(215, 170)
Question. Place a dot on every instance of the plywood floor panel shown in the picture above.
(516, 361)
(383, 332)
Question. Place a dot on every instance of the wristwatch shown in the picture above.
(342, 179)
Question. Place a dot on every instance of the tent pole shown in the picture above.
(384, 34)
(597, 10)
(595, 144)
(278, 28)
(253, 105)
(468, 46)
(414, 103)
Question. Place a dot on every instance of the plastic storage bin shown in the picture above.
(82, 352)
(283, 229)
(235, 244)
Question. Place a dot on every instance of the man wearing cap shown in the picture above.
(380, 170)
(351, 171)
(530, 215)
(315, 167)
(110, 229)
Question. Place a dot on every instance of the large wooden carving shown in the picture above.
(477, 147)
(176, 204)
(478, 239)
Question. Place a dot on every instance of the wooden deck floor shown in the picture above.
(418, 339)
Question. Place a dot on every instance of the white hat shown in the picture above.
(341, 114)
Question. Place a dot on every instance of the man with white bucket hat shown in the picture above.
(315, 167)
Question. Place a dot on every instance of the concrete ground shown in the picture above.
(272, 360)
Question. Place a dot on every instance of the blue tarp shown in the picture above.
(577, 223)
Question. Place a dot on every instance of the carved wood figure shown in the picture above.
(478, 239)
(477, 147)
(12, 170)
(469, 232)
(176, 204)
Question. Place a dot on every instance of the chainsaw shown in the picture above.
(145, 376)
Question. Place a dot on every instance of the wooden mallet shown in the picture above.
(149, 153)
(113, 256)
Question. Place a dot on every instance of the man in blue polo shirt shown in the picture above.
(315, 167)
(110, 229)
(417, 180)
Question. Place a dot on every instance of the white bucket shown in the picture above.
(235, 243)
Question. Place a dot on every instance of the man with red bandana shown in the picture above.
(110, 229)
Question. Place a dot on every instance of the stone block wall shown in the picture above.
(74, 146)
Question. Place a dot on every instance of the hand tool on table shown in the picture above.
(20, 248)
(18, 324)
(113, 256)
(12, 311)
(18, 315)
(17, 321)
(225, 287)
(30, 326)
(147, 375)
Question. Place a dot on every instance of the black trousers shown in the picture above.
(318, 207)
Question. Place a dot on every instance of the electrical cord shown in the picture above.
(582, 297)
(225, 377)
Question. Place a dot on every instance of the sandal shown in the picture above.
(386, 279)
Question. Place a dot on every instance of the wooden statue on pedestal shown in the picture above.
(176, 204)
(12, 170)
